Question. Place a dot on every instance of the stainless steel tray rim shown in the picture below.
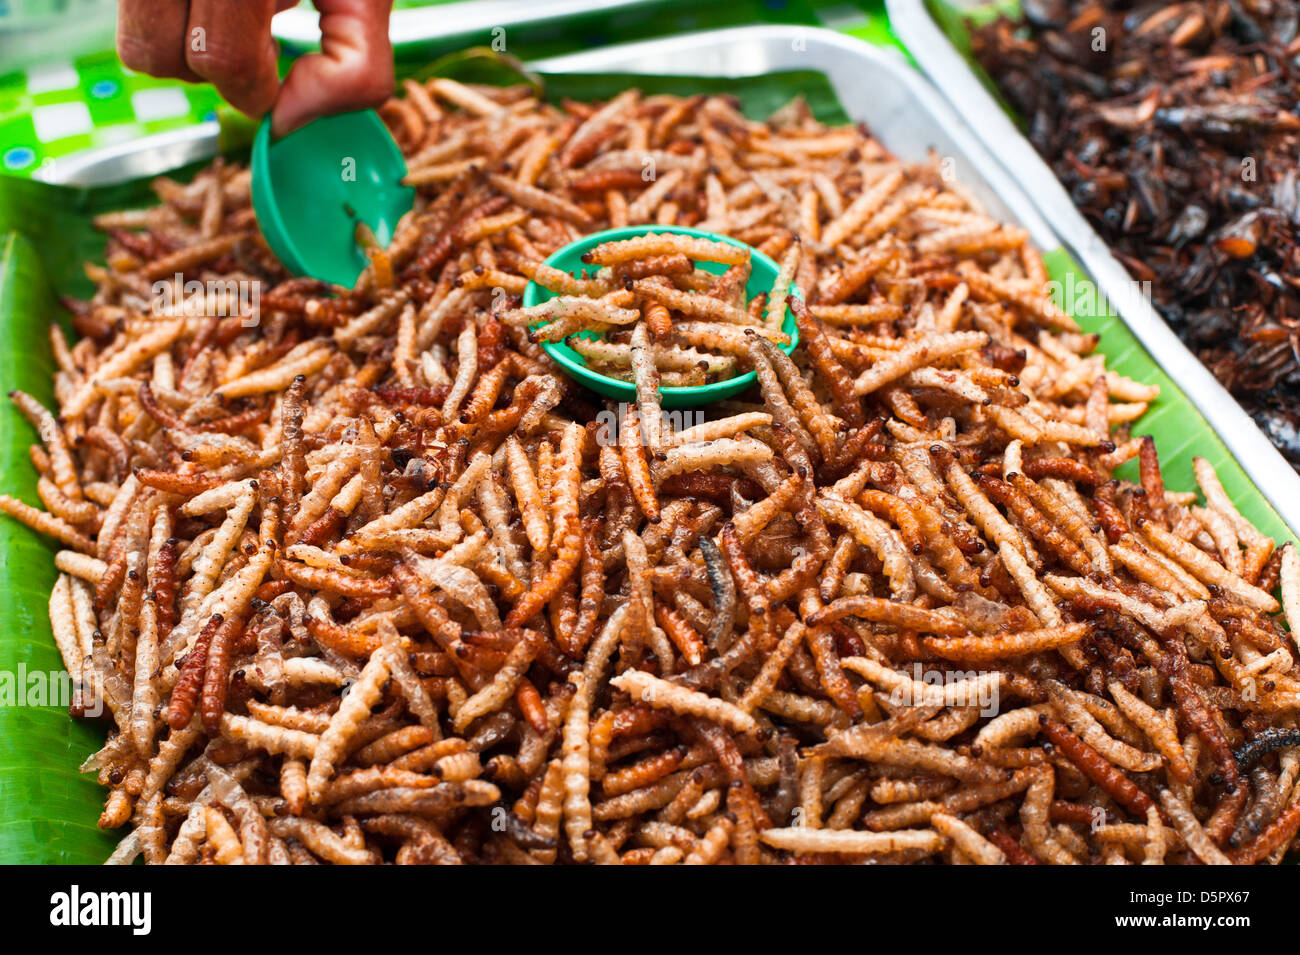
(300, 26)
(149, 155)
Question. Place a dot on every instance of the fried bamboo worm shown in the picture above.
(568, 528)
(575, 768)
(636, 467)
(495, 695)
(663, 694)
(667, 243)
(293, 461)
(802, 839)
(346, 722)
(916, 355)
(296, 540)
(646, 376)
(723, 588)
(1096, 768)
(62, 468)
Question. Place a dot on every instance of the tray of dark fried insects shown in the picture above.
(357, 576)
(1160, 141)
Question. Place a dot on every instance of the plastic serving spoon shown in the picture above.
(569, 259)
(313, 187)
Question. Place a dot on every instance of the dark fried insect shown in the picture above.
(1177, 141)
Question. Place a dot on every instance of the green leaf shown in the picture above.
(957, 23)
(50, 808)
(237, 130)
(480, 64)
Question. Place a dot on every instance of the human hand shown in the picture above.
(229, 44)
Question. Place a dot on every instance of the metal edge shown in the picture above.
(1262, 462)
(147, 156)
(300, 26)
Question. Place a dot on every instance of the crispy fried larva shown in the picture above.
(357, 705)
(877, 536)
(1001, 645)
(574, 768)
(916, 355)
(1207, 569)
(646, 376)
(1076, 714)
(64, 626)
(502, 688)
(274, 739)
(698, 307)
(866, 843)
(320, 840)
(661, 694)
(958, 693)
(881, 610)
(1190, 829)
(569, 313)
(666, 243)
(46, 523)
(528, 495)
(967, 839)
(62, 468)
(1290, 579)
(636, 468)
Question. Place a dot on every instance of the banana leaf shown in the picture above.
(50, 808)
(45, 236)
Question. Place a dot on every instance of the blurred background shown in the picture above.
(62, 88)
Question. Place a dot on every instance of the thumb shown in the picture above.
(353, 70)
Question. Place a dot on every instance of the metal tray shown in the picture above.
(876, 86)
(300, 26)
(950, 72)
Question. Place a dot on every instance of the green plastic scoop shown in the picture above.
(569, 259)
(312, 188)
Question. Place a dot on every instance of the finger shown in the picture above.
(151, 37)
(231, 46)
(353, 70)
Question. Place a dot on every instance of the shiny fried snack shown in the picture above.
(367, 580)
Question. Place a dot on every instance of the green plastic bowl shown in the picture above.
(311, 188)
(569, 259)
